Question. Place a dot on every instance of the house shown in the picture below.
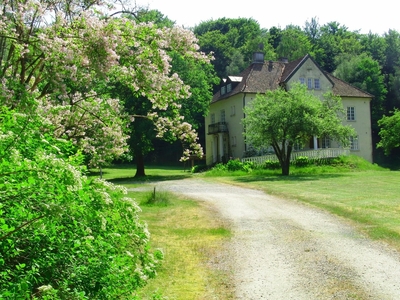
(224, 129)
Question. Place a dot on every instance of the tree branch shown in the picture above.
(21, 226)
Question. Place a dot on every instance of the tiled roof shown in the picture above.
(260, 77)
(344, 89)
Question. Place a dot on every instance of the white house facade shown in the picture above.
(224, 129)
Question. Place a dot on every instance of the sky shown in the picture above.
(375, 16)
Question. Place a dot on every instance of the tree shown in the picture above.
(282, 118)
(55, 65)
(227, 37)
(294, 43)
(389, 132)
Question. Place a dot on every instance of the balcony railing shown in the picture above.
(217, 127)
(311, 154)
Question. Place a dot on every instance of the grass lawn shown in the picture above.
(189, 232)
(369, 197)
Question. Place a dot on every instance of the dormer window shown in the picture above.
(223, 90)
(229, 87)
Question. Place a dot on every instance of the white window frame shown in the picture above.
(351, 113)
(233, 110)
(354, 143)
(317, 84)
(222, 116)
(228, 88)
(309, 83)
(326, 142)
(302, 80)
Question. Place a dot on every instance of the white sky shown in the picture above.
(367, 15)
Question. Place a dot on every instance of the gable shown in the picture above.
(310, 74)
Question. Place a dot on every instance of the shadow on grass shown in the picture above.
(294, 178)
(148, 178)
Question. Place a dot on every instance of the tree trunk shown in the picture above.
(286, 160)
(285, 167)
(139, 159)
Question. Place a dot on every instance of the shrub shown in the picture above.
(234, 165)
(271, 164)
(302, 161)
(63, 236)
(198, 168)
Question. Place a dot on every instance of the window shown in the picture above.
(309, 83)
(223, 115)
(223, 90)
(351, 113)
(233, 110)
(302, 80)
(316, 84)
(297, 146)
(212, 118)
(229, 87)
(326, 142)
(354, 143)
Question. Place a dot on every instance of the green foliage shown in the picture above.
(234, 165)
(283, 118)
(62, 235)
(293, 44)
(199, 168)
(157, 198)
(389, 132)
(271, 164)
(364, 72)
(302, 161)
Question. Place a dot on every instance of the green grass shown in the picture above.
(188, 232)
(359, 192)
(124, 174)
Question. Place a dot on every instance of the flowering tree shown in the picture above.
(63, 235)
(54, 60)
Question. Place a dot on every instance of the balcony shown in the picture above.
(218, 128)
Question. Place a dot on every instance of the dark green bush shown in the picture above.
(199, 168)
(271, 164)
(302, 161)
(234, 165)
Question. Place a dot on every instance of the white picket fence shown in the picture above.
(311, 154)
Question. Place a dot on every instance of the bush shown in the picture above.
(198, 168)
(234, 165)
(302, 161)
(63, 236)
(272, 164)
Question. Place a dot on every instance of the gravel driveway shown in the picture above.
(286, 250)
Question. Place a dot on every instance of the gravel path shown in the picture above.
(285, 250)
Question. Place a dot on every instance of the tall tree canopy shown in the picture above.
(225, 37)
(283, 118)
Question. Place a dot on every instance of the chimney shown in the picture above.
(258, 58)
(270, 66)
